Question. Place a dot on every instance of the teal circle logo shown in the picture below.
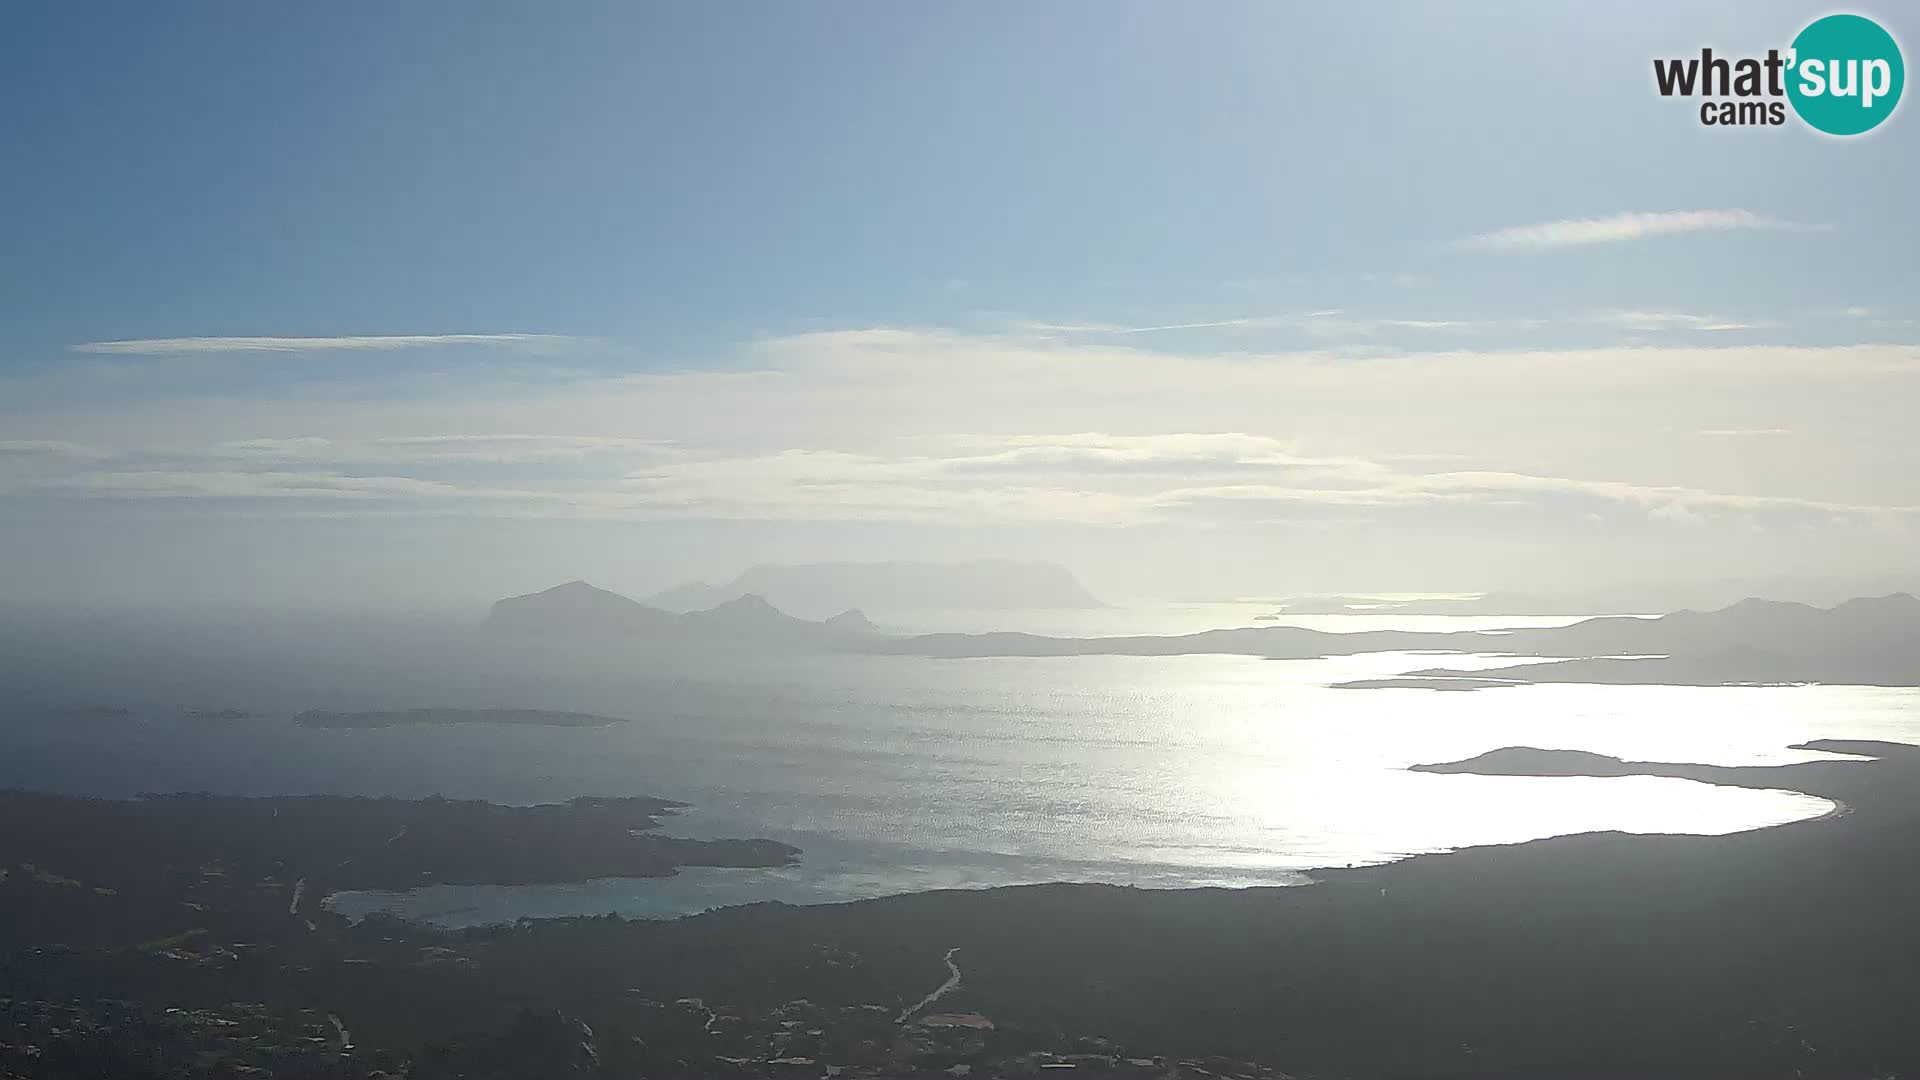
(1845, 75)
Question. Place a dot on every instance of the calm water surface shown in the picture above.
(897, 774)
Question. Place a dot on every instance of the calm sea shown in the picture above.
(897, 774)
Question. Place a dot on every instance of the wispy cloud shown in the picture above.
(1101, 479)
(1114, 328)
(1582, 232)
(1335, 325)
(360, 343)
(1325, 323)
(465, 449)
(1676, 320)
(202, 484)
(57, 448)
(1085, 479)
(889, 424)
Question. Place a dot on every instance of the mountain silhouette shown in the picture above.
(819, 589)
(577, 609)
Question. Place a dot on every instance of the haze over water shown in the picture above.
(897, 774)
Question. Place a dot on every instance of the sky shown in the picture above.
(413, 306)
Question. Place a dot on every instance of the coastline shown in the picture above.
(1588, 955)
(1765, 953)
(686, 893)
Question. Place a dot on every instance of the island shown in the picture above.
(1435, 680)
(439, 717)
(1825, 775)
(577, 612)
(1870, 641)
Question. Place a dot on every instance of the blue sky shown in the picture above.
(488, 221)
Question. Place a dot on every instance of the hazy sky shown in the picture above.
(378, 304)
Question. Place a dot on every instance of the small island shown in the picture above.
(1534, 761)
(317, 718)
(1835, 776)
(1418, 682)
(218, 714)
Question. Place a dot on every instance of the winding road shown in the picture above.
(952, 983)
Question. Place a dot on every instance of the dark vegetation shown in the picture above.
(98, 871)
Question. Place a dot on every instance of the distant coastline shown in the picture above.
(1868, 641)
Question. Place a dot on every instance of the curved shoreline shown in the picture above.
(1840, 809)
(393, 902)
(1822, 778)
(1587, 956)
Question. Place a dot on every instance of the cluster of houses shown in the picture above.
(118, 1038)
(804, 1041)
(688, 1037)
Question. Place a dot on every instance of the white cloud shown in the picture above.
(1649, 495)
(467, 449)
(1077, 478)
(1329, 323)
(380, 342)
(1090, 478)
(1580, 232)
(187, 483)
(513, 447)
(295, 448)
(1108, 328)
(901, 425)
(1676, 320)
(58, 448)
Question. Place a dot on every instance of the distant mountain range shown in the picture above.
(1641, 599)
(577, 609)
(1869, 641)
(817, 589)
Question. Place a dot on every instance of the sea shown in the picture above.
(897, 774)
